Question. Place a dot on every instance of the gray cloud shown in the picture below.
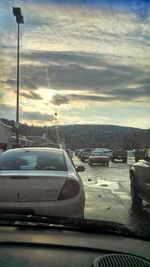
(128, 93)
(38, 116)
(61, 99)
(11, 82)
(32, 77)
(1, 96)
(32, 95)
(79, 77)
(6, 108)
(119, 95)
(133, 93)
(79, 71)
(81, 59)
(65, 58)
(7, 111)
(145, 81)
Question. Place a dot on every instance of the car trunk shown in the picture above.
(33, 186)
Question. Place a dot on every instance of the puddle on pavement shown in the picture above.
(108, 185)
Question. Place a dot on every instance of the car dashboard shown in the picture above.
(24, 246)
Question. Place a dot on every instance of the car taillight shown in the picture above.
(70, 189)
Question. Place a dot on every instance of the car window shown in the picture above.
(97, 153)
(33, 161)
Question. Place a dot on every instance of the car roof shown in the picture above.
(23, 149)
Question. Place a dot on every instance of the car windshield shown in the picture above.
(75, 78)
(97, 153)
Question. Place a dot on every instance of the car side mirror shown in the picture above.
(80, 169)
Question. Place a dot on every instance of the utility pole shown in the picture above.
(56, 129)
(20, 20)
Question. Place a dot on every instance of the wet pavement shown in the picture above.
(108, 197)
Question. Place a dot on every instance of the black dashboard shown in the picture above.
(20, 246)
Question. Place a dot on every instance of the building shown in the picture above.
(41, 141)
(23, 141)
(5, 136)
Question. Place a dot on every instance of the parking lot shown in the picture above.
(108, 194)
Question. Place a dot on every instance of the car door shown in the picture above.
(144, 175)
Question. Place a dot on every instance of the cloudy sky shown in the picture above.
(87, 61)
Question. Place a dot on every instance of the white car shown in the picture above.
(41, 181)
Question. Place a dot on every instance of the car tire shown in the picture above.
(136, 200)
(82, 160)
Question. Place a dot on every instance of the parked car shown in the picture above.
(106, 151)
(140, 180)
(139, 154)
(78, 152)
(69, 152)
(42, 180)
(84, 155)
(97, 157)
(119, 154)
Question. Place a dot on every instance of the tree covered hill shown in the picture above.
(80, 136)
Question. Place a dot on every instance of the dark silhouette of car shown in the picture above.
(69, 152)
(84, 155)
(119, 154)
(78, 152)
(140, 180)
(139, 154)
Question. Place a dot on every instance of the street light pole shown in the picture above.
(17, 103)
(20, 20)
(56, 128)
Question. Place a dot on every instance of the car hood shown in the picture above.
(140, 163)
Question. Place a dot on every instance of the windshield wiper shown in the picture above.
(85, 225)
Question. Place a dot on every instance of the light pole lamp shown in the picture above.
(20, 20)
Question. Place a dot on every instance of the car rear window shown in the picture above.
(97, 154)
(33, 160)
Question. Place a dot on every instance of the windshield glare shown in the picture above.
(76, 82)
